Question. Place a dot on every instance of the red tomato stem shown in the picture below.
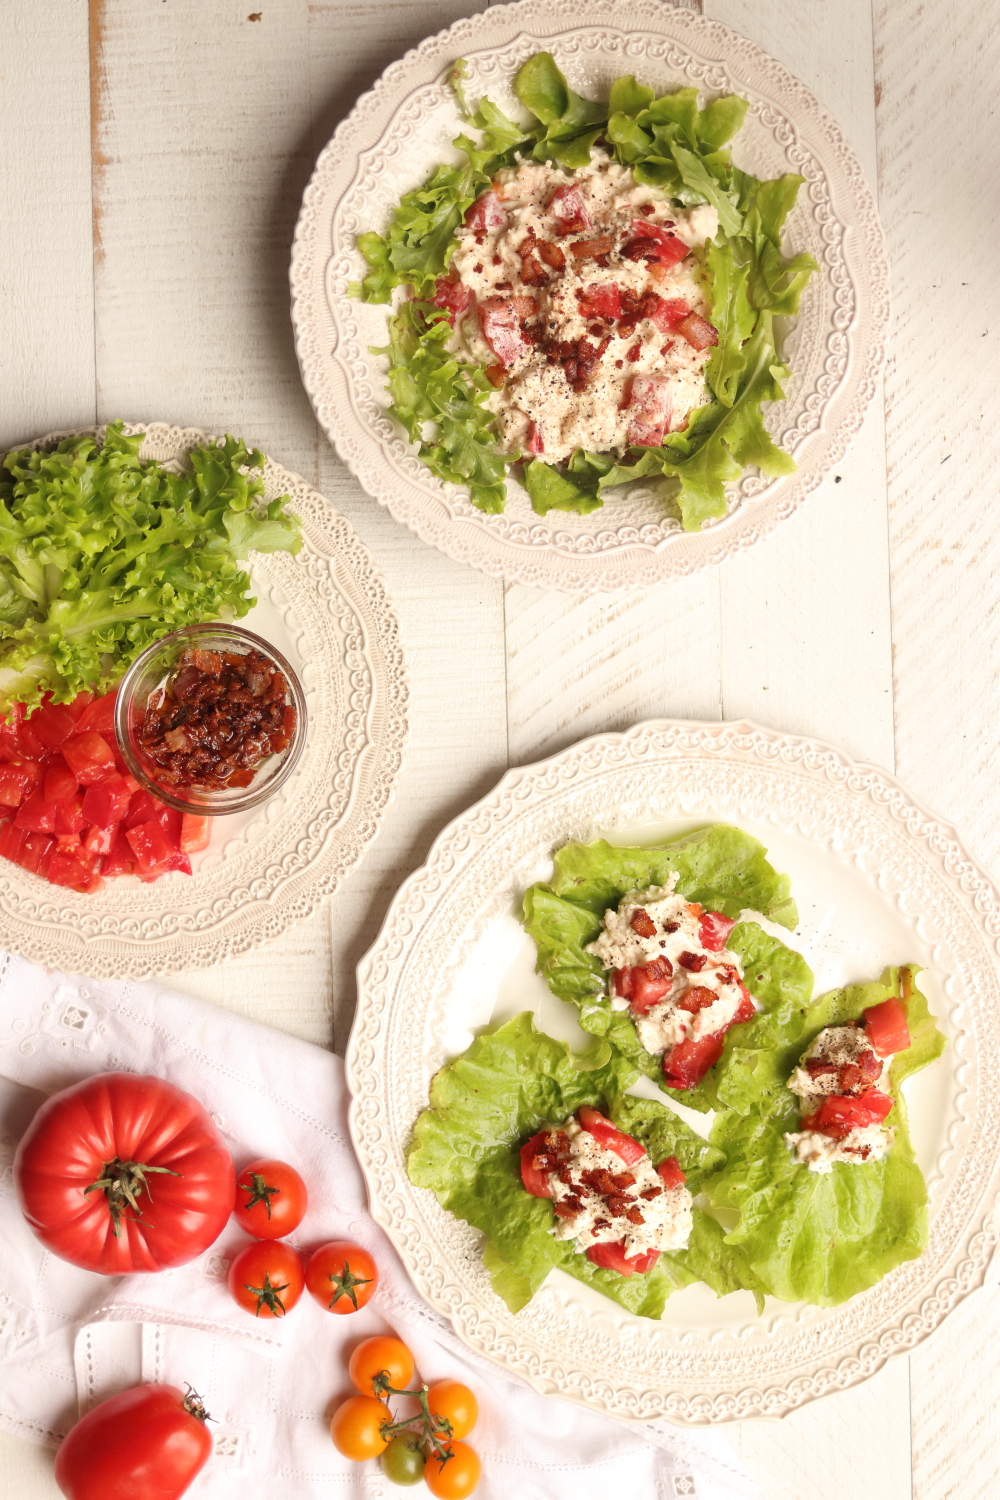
(121, 1182)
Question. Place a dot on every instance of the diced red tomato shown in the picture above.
(80, 703)
(621, 979)
(171, 821)
(486, 213)
(567, 208)
(534, 443)
(501, 318)
(69, 815)
(671, 1172)
(89, 757)
(650, 409)
(690, 1060)
(535, 1180)
(148, 845)
(887, 1026)
(714, 929)
(59, 779)
(746, 1010)
(601, 300)
(649, 983)
(35, 853)
(121, 860)
(29, 744)
(698, 331)
(75, 870)
(11, 841)
(839, 1114)
(15, 782)
(140, 809)
(651, 242)
(453, 296)
(99, 715)
(36, 815)
(607, 1134)
(668, 312)
(613, 1258)
(53, 723)
(9, 747)
(98, 840)
(195, 833)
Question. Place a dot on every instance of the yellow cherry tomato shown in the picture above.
(356, 1427)
(455, 1477)
(380, 1355)
(455, 1403)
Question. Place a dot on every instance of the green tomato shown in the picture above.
(403, 1462)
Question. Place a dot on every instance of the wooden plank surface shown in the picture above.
(163, 294)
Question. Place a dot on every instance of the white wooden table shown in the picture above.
(152, 158)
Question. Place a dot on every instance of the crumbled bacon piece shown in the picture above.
(568, 1208)
(642, 923)
(634, 1216)
(696, 998)
(495, 375)
(699, 333)
(592, 248)
(693, 962)
(650, 1193)
(634, 352)
(727, 974)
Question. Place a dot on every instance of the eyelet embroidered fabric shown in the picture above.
(69, 1338)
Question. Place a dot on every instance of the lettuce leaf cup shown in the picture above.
(722, 869)
(488, 1102)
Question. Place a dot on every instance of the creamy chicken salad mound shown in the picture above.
(842, 1081)
(590, 294)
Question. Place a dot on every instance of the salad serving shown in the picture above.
(806, 1187)
(591, 295)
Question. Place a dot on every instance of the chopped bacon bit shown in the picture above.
(590, 249)
(666, 348)
(618, 1204)
(694, 962)
(650, 1193)
(623, 1180)
(505, 286)
(568, 1208)
(634, 1216)
(495, 375)
(497, 261)
(595, 330)
(551, 254)
(642, 923)
(635, 351)
(602, 1223)
(644, 208)
(620, 365)
(817, 1066)
(533, 273)
(870, 1065)
(479, 239)
(671, 926)
(478, 267)
(727, 974)
(696, 998)
(698, 331)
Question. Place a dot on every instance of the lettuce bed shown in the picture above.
(671, 144)
(722, 868)
(811, 1237)
(485, 1104)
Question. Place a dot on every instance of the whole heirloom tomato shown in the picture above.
(271, 1199)
(147, 1443)
(123, 1173)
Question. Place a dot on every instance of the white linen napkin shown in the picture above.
(69, 1338)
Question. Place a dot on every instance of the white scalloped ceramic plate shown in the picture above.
(328, 612)
(404, 126)
(878, 880)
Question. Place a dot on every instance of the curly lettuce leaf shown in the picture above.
(572, 123)
(103, 553)
(814, 1237)
(429, 385)
(720, 867)
(465, 1148)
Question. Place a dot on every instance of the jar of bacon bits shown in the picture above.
(211, 719)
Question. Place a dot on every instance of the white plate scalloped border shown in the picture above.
(879, 879)
(404, 125)
(327, 609)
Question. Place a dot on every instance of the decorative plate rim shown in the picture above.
(531, 551)
(334, 592)
(692, 1376)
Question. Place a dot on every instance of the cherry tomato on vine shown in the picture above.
(455, 1477)
(375, 1355)
(356, 1427)
(266, 1278)
(341, 1276)
(456, 1404)
(271, 1199)
(403, 1460)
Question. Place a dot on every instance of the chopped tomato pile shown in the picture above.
(860, 1103)
(69, 810)
(217, 719)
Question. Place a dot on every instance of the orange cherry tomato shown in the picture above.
(457, 1476)
(356, 1427)
(271, 1199)
(454, 1403)
(341, 1276)
(380, 1355)
(267, 1278)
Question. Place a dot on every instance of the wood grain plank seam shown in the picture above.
(98, 159)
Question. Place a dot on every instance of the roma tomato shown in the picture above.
(341, 1276)
(356, 1427)
(378, 1356)
(121, 1173)
(147, 1443)
(456, 1476)
(266, 1278)
(271, 1199)
(454, 1403)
